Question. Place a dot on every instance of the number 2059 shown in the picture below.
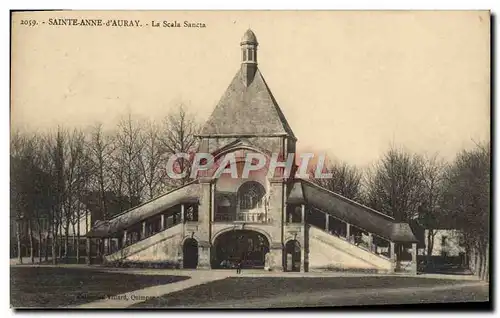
(29, 22)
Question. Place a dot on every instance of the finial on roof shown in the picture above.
(249, 38)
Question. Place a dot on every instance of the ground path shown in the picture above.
(138, 296)
(199, 277)
(359, 296)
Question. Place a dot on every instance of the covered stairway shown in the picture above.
(345, 235)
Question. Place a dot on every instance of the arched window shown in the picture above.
(250, 195)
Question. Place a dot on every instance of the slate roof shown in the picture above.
(352, 212)
(247, 111)
(188, 193)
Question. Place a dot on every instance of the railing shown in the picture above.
(361, 242)
(250, 217)
(134, 237)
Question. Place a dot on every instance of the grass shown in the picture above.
(248, 288)
(55, 287)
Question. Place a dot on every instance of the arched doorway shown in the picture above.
(249, 247)
(190, 253)
(292, 249)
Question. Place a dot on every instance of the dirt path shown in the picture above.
(350, 297)
(137, 296)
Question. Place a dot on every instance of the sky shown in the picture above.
(349, 83)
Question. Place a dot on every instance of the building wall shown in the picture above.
(330, 252)
(451, 245)
(165, 246)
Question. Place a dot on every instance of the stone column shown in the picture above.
(327, 222)
(302, 258)
(143, 231)
(212, 203)
(106, 246)
(162, 220)
(348, 232)
(183, 216)
(303, 213)
(414, 258)
(203, 255)
(98, 248)
(370, 242)
(392, 256)
(276, 257)
(124, 238)
(88, 250)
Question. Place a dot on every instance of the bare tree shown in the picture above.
(432, 191)
(179, 136)
(126, 162)
(152, 160)
(54, 164)
(466, 200)
(100, 149)
(21, 154)
(394, 184)
(346, 180)
(76, 174)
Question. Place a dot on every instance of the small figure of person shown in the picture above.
(238, 267)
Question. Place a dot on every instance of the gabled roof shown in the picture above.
(188, 193)
(247, 111)
(351, 212)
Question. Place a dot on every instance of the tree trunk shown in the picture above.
(53, 245)
(77, 241)
(46, 249)
(40, 246)
(66, 242)
(59, 245)
(487, 263)
(18, 237)
(30, 232)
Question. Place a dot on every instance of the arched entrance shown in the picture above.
(292, 249)
(249, 247)
(190, 253)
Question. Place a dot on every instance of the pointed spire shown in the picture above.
(249, 56)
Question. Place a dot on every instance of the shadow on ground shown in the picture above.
(241, 289)
(51, 287)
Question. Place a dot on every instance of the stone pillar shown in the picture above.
(392, 256)
(183, 216)
(303, 213)
(203, 255)
(143, 231)
(98, 248)
(162, 221)
(212, 203)
(276, 257)
(88, 250)
(202, 229)
(106, 246)
(414, 258)
(348, 232)
(302, 259)
(327, 222)
(370, 242)
(124, 238)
